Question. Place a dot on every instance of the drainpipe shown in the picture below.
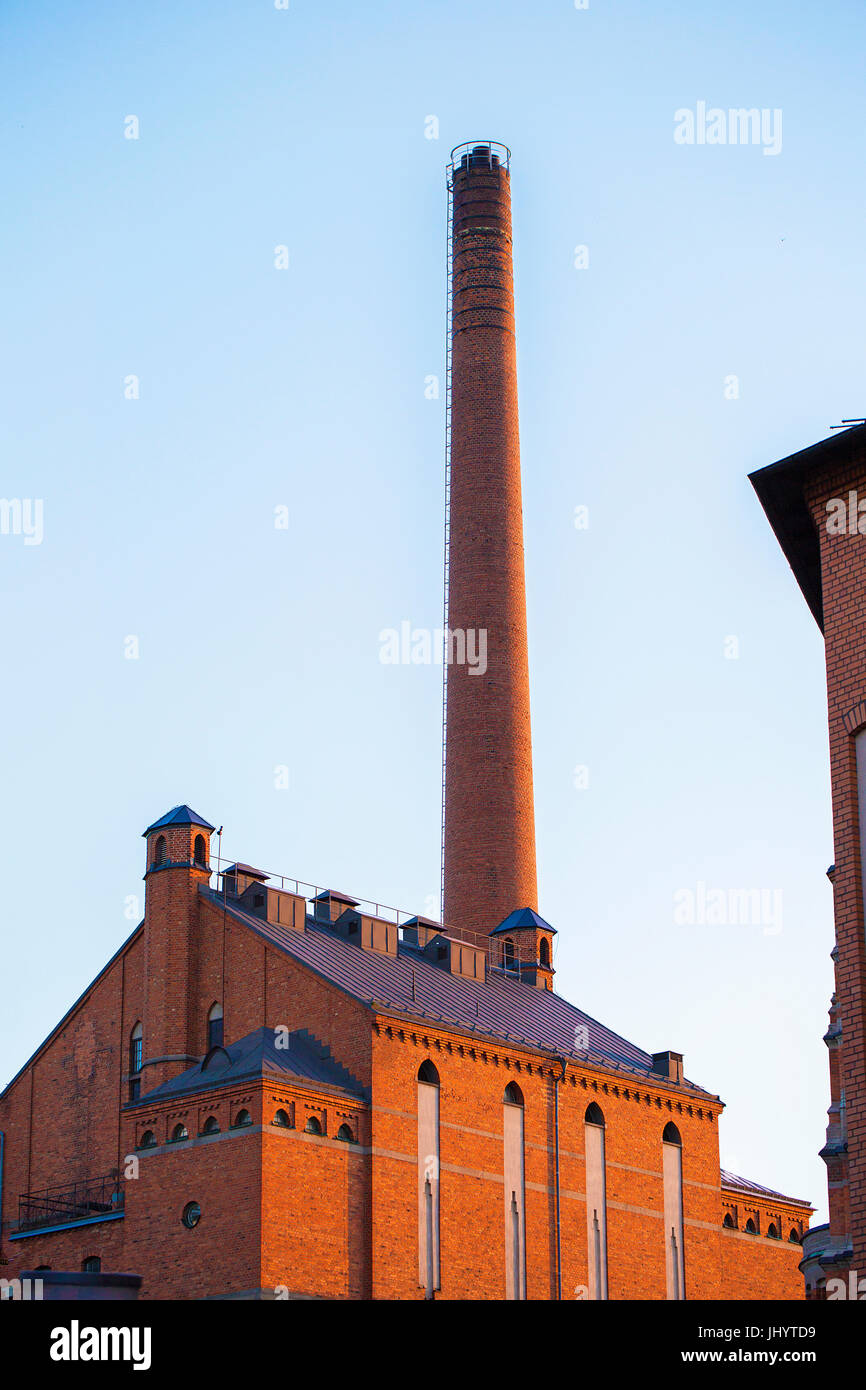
(2, 1147)
(556, 1081)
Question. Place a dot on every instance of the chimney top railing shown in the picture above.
(479, 154)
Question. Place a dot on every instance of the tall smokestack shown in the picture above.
(488, 859)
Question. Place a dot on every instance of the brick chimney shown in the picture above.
(489, 820)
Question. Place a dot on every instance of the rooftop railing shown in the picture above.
(70, 1202)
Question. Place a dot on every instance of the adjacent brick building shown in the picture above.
(816, 503)
(278, 1091)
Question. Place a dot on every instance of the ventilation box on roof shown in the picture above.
(669, 1065)
(370, 933)
(457, 956)
(276, 906)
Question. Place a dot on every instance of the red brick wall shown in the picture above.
(843, 574)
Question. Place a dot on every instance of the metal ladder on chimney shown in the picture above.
(449, 259)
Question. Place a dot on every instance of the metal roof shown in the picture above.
(179, 815)
(758, 1190)
(499, 1007)
(304, 1060)
(781, 491)
(523, 917)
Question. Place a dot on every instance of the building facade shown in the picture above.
(277, 1091)
(816, 503)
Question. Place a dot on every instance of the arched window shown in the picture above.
(147, 1140)
(282, 1120)
(513, 1094)
(313, 1126)
(200, 851)
(91, 1265)
(672, 1175)
(136, 1048)
(179, 1133)
(508, 953)
(728, 1221)
(751, 1227)
(773, 1231)
(160, 853)
(544, 951)
(215, 1027)
(427, 1072)
(345, 1133)
(672, 1134)
(594, 1115)
(211, 1125)
(243, 1117)
(794, 1237)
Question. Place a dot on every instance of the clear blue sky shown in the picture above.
(304, 388)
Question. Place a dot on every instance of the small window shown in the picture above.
(508, 953)
(92, 1265)
(345, 1134)
(313, 1126)
(794, 1237)
(671, 1134)
(215, 1027)
(160, 853)
(544, 951)
(134, 1088)
(147, 1140)
(178, 1134)
(200, 851)
(282, 1120)
(427, 1072)
(594, 1115)
(773, 1231)
(136, 1048)
(751, 1227)
(728, 1222)
(211, 1125)
(191, 1215)
(513, 1094)
(243, 1117)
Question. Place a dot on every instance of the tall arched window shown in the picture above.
(515, 1191)
(672, 1169)
(136, 1048)
(428, 1178)
(596, 1200)
(160, 853)
(544, 951)
(200, 850)
(751, 1227)
(215, 1027)
(794, 1237)
(772, 1231)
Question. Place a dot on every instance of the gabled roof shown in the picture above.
(302, 1061)
(523, 917)
(499, 1007)
(781, 490)
(179, 815)
(755, 1189)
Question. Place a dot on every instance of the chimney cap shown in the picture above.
(668, 1064)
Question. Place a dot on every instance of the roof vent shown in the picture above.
(238, 877)
(328, 905)
(456, 956)
(669, 1065)
(275, 905)
(370, 933)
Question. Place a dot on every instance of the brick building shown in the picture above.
(816, 503)
(276, 1090)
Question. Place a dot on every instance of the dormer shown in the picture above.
(522, 946)
(370, 933)
(457, 956)
(329, 904)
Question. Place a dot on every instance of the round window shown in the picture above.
(191, 1214)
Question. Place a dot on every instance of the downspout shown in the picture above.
(556, 1081)
(2, 1147)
